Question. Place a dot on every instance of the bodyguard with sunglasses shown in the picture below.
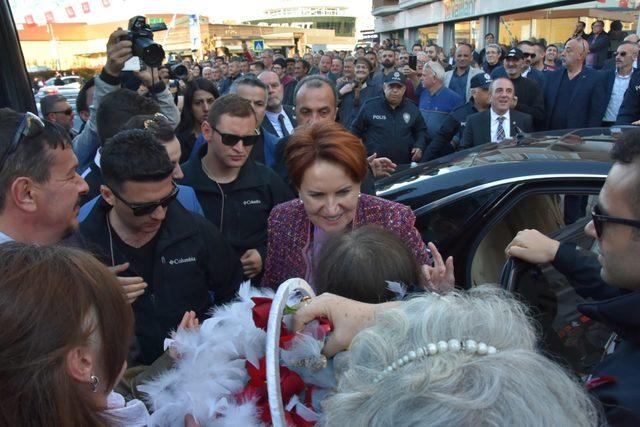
(182, 257)
(612, 280)
(57, 109)
(236, 193)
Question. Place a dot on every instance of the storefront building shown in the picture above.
(446, 22)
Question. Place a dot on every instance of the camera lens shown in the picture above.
(151, 53)
(180, 71)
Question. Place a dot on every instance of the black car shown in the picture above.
(472, 203)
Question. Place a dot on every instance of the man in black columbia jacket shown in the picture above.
(236, 193)
(615, 295)
(185, 262)
(392, 125)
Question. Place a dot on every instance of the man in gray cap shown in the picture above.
(391, 126)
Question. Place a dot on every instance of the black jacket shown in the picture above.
(390, 132)
(478, 128)
(194, 267)
(629, 110)
(529, 93)
(93, 176)
(618, 310)
(449, 136)
(349, 107)
(286, 109)
(247, 203)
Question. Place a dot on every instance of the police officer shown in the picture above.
(448, 137)
(236, 193)
(392, 125)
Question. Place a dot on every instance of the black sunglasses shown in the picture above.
(623, 54)
(141, 209)
(30, 126)
(230, 139)
(529, 55)
(66, 112)
(599, 220)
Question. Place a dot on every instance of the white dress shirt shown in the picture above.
(4, 238)
(620, 85)
(273, 118)
(506, 125)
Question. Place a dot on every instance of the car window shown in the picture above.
(548, 212)
(442, 224)
(566, 335)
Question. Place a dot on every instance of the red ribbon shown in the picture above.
(600, 381)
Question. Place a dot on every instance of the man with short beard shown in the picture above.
(388, 62)
(528, 93)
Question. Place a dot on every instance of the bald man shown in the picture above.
(574, 95)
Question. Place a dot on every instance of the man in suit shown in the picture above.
(598, 45)
(279, 119)
(500, 121)
(617, 81)
(529, 98)
(459, 78)
(574, 96)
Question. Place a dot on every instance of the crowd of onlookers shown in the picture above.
(188, 179)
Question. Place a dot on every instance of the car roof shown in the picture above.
(581, 153)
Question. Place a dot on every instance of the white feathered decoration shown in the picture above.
(211, 370)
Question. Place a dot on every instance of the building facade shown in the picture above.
(446, 22)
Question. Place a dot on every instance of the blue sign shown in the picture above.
(258, 45)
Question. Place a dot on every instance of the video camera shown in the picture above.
(143, 46)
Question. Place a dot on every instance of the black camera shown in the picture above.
(141, 36)
(180, 71)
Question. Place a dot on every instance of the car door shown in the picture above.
(566, 335)
(15, 88)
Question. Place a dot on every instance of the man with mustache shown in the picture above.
(617, 81)
(39, 186)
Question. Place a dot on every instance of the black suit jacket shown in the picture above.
(477, 131)
(288, 110)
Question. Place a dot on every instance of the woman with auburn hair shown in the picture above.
(356, 93)
(327, 165)
(66, 330)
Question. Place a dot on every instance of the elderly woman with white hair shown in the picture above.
(454, 360)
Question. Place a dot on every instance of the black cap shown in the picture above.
(482, 80)
(515, 53)
(396, 77)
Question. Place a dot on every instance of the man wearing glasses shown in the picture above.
(57, 109)
(617, 81)
(612, 280)
(39, 188)
(236, 192)
(185, 262)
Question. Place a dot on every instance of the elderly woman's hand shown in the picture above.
(347, 317)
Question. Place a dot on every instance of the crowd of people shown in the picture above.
(179, 188)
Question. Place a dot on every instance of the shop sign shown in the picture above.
(454, 9)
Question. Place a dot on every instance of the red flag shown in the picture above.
(70, 12)
(85, 7)
(106, 3)
(29, 21)
(49, 17)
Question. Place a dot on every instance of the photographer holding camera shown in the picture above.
(123, 105)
